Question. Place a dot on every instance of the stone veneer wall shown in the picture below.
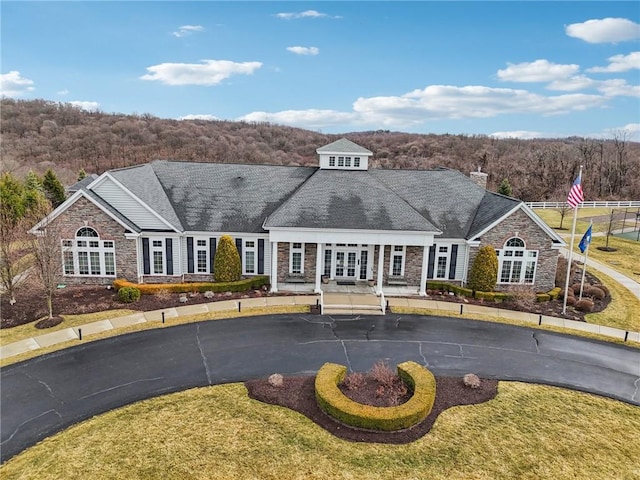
(84, 213)
(521, 225)
(309, 261)
(412, 264)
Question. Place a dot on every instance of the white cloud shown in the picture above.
(12, 84)
(579, 82)
(619, 63)
(209, 72)
(305, 14)
(618, 88)
(435, 102)
(62, 93)
(198, 117)
(304, 50)
(308, 118)
(88, 106)
(537, 71)
(523, 134)
(185, 30)
(605, 30)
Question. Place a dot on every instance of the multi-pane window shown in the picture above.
(201, 256)
(249, 252)
(87, 255)
(327, 262)
(341, 161)
(157, 255)
(332, 161)
(516, 264)
(296, 264)
(397, 261)
(356, 161)
(442, 260)
(347, 161)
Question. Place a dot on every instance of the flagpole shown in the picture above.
(570, 259)
(584, 266)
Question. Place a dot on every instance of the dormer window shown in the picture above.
(344, 155)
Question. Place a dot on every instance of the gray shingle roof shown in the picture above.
(344, 146)
(492, 207)
(447, 198)
(347, 200)
(215, 197)
(142, 181)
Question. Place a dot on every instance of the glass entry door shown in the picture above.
(346, 263)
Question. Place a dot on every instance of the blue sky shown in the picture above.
(509, 69)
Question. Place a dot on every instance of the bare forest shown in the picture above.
(39, 135)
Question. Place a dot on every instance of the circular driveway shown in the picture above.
(44, 395)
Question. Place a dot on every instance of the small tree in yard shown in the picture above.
(483, 275)
(53, 189)
(563, 213)
(227, 266)
(45, 247)
(505, 188)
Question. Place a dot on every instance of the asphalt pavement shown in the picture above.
(47, 394)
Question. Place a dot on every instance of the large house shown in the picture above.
(342, 221)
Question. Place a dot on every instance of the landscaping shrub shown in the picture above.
(603, 288)
(153, 288)
(129, 294)
(334, 403)
(483, 275)
(554, 293)
(226, 263)
(542, 297)
(523, 296)
(354, 381)
(561, 272)
(576, 288)
(571, 300)
(595, 292)
(584, 305)
(382, 374)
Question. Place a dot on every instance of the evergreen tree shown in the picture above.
(483, 275)
(82, 174)
(33, 191)
(53, 189)
(227, 265)
(505, 188)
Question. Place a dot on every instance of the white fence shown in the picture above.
(618, 204)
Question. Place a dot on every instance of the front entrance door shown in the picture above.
(346, 264)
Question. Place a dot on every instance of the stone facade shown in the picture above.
(83, 213)
(520, 225)
(412, 264)
(309, 262)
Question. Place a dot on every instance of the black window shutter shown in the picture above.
(260, 256)
(452, 263)
(239, 247)
(190, 255)
(168, 246)
(145, 257)
(212, 253)
(432, 261)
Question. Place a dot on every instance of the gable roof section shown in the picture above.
(217, 197)
(338, 199)
(447, 198)
(344, 146)
(492, 208)
(97, 201)
(142, 182)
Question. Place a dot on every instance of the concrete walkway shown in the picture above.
(628, 283)
(246, 305)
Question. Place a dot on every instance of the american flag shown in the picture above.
(576, 197)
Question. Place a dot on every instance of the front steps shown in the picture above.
(351, 304)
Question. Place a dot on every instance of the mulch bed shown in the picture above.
(298, 393)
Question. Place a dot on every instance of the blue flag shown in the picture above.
(586, 240)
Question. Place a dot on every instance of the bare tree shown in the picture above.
(563, 213)
(46, 249)
(611, 227)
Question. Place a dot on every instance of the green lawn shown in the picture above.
(526, 432)
(626, 258)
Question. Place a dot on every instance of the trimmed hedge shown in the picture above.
(483, 274)
(152, 288)
(554, 293)
(497, 297)
(129, 294)
(335, 404)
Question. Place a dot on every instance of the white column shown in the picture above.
(380, 269)
(318, 266)
(423, 275)
(274, 267)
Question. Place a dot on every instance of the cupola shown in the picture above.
(343, 154)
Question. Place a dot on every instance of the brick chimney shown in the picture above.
(479, 178)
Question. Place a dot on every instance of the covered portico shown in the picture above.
(349, 256)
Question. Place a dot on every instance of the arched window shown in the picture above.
(516, 264)
(87, 255)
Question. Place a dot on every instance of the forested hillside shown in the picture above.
(39, 134)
